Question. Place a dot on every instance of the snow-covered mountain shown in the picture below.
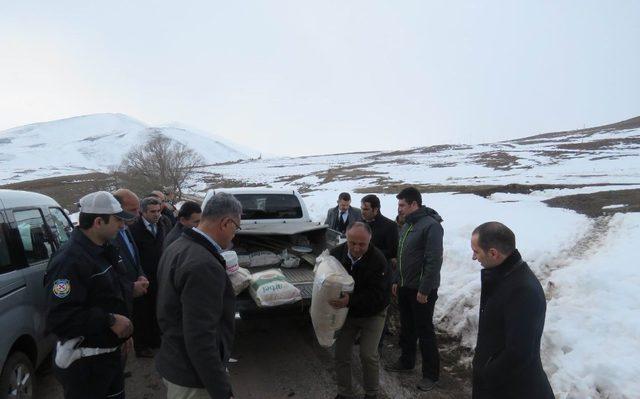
(95, 143)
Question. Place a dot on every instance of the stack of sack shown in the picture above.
(271, 288)
(240, 277)
(330, 281)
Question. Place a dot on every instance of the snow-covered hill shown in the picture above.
(95, 143)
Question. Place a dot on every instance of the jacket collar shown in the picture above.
(494, 274)
(94, 249)
(423, 212)
(199, 239)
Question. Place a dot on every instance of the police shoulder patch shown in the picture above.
(61, 288)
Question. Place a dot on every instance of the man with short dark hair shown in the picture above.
(384, 236)
(416, 285)
(168, 219)
(86, 303)
(188, 217)
(367, 309)
(148, 235)
(344, 214)
(384, 230)
(506, 363)
(196, 305)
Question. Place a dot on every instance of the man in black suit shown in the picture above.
(134, 276)
(344, 214)
(127, 247)
(148, 235)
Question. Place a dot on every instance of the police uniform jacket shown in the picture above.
(84, 285)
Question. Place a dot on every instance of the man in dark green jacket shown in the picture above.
(416, 285)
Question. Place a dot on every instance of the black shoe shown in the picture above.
(426, 384)
(398, 367)
(145, 353)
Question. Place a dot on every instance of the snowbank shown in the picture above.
(591, 342)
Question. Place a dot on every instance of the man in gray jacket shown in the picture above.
(343, 215)
(416, 285)
(196, 305)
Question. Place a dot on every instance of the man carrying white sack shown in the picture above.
(367, 309)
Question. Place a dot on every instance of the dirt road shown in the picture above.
(276, 358)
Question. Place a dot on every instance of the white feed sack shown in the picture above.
(264, 258)
(331, 279)
(240, 277)
(271, 288)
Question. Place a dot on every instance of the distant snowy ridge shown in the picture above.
(96, 143)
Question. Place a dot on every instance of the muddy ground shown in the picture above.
(280, 358)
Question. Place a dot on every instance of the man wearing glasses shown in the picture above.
(196, 305)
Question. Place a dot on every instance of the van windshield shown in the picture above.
(269, 206)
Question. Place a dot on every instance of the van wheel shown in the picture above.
(17, 378)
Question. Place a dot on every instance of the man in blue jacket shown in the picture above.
(507, 361)
(416, 283)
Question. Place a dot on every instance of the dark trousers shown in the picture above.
(146, 332)
(416, 324)
(96, 377)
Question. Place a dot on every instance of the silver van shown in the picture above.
(32, 227)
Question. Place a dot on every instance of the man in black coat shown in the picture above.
(196, 305)
(384, 230)
(86, 303)
(507, 361)
(127, 247)
(384, 237)
(343, 215)
(367, 309)
(188, 217)
(148, 235)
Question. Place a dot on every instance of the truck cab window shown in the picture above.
(269, 206)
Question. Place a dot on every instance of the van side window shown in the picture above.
(5, 259)
(61, 227)
(31, 228)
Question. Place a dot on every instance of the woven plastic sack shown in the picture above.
(240, 278)
(264, 258)
(271, 288)
(331, 279)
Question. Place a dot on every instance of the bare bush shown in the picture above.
(160, 162)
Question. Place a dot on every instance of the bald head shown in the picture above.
(358, 238)
(128, 200)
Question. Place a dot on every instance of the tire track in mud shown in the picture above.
(584, 247)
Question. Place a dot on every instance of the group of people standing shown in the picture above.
(403, 260)
(134, 270)
(104, 281)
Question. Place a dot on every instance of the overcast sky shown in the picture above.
(296, 77)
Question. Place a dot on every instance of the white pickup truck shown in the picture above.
(277, 220)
